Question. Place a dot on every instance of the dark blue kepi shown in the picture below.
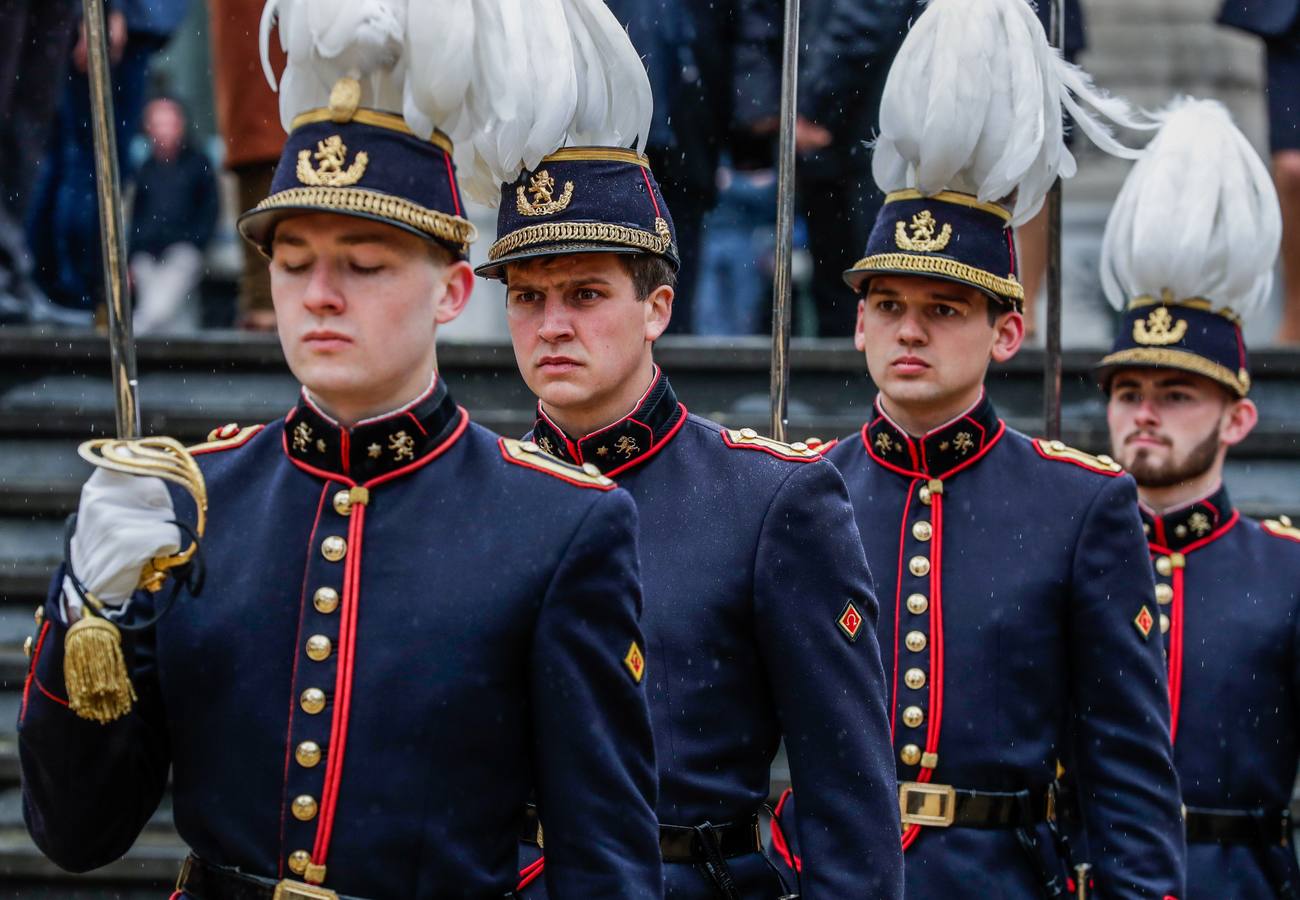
(1191, 335)
(952, 236)
(582, 200)
(368, 164)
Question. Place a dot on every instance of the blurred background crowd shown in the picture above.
(198, 134)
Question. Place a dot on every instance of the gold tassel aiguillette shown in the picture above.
(94, 670)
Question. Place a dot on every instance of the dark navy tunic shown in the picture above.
(1018, 609)
(373, 686)
(759, 622)
(1228, 589)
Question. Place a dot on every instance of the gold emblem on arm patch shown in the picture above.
(922, 239)
(1159, 328)
(635, 662)
(544, 203)
(331, 154)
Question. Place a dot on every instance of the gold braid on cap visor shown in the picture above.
(452, 229)
(1170, 358)
(884, 263)
(584, 232)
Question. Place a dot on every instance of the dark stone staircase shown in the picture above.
(55, 391)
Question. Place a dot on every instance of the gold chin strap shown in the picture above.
(94, 668)
(161, 457)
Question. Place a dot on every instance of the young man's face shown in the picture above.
(357, 304)
(582, 337)
(928, 342)
(1168, 427)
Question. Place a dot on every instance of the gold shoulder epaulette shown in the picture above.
(1058, 450)
(227, 437)
(531, 456)
(1282, 527)
(749, 439)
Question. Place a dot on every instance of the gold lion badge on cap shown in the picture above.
(922, 239)
(331, 154)
(544, 202)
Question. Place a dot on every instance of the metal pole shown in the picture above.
(1052, 361)
(781, 288)
(111, 223)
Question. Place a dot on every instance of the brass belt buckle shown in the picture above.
(927, 804)
(287, 889)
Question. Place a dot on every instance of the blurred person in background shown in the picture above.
(34, 36)
(734, 280)
(1278, 23)
(172, 219)
(63, 224)
(249, 122)
(706, 63)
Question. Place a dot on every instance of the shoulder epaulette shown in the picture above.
(227, 437)
(749, 439)
(531, 456)
(1282, 527)
(822, 447)
(1060, 451)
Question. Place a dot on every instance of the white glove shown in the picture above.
(123, 521)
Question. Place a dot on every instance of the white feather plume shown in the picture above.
(973, 102)
(538, 75)
(1197, 216)
(508, 80)
(326, 40)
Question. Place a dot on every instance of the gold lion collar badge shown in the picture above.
(922, 238)
(544, 202)
(330, 155)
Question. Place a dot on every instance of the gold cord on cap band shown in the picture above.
(939, 265)
(952, 197)
(588, 232)
(439, 225)
(389, 121)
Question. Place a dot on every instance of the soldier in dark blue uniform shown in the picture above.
(759, 613)
(1018, 623)
(409, 625)
(1227, 587)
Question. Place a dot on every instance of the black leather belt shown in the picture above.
(1257, 827)
(677, 843)
(208, 882)
(944, 806)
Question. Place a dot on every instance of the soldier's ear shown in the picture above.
(860, 327)
(457, 280)
(1008, 335)
(658, 311)
(1238, 421)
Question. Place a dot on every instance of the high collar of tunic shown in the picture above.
(954, 445)
(1191, 524)
(619, 446)
(373, 447)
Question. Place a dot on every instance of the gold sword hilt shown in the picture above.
(159, 457)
